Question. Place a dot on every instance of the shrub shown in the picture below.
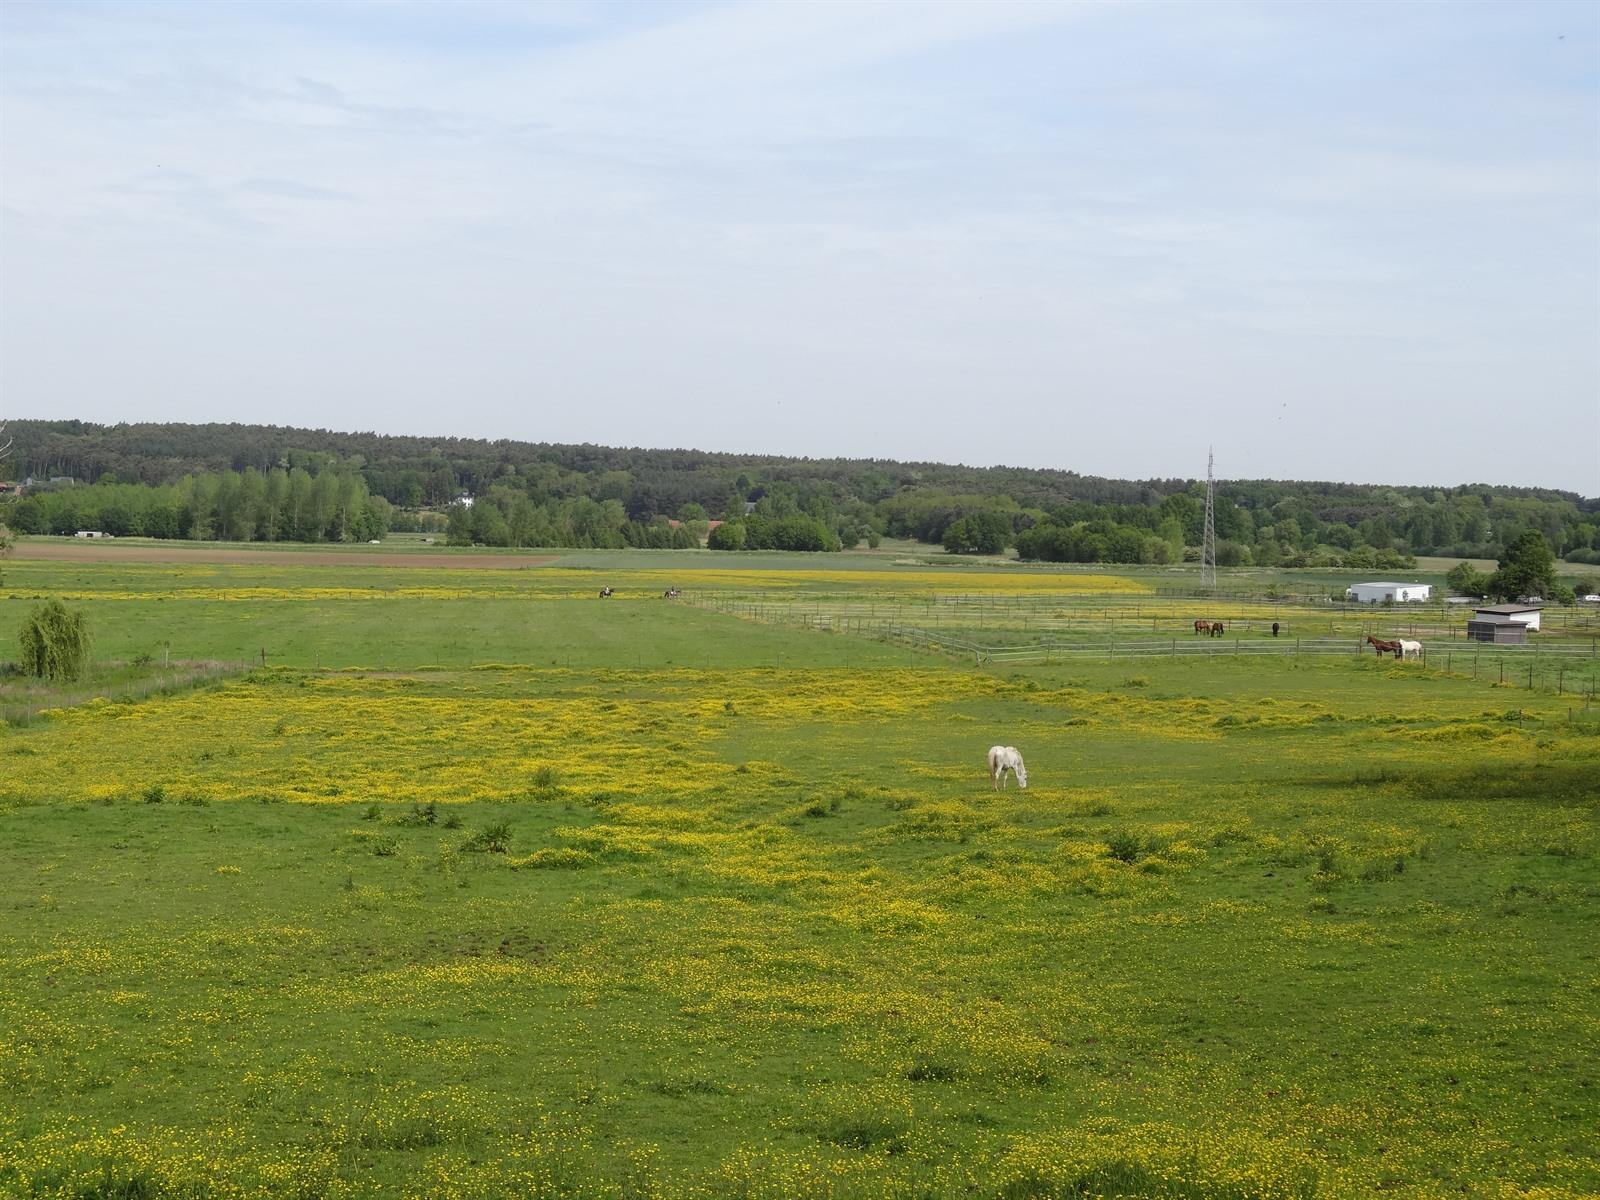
(1384, 868)
(546, 778)
(55, 642)
(155, 794)
(420, 814)
(492, 839)
(1123, 845)
(380, 844)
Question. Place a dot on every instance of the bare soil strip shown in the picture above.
(143, 552)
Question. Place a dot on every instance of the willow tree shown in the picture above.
(55, 642)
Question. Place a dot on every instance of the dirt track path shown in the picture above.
(144, 552)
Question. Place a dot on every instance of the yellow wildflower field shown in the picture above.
(1254, 930)
(267, 582)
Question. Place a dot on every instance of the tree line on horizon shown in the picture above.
(267, 483)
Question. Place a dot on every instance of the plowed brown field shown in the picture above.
(119, 551)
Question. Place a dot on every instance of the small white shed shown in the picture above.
(1377, 593)
(1522, 614)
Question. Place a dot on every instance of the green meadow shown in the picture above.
(484, 886)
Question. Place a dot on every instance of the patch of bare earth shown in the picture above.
(108, 551)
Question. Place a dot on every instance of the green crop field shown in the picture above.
(487, 887)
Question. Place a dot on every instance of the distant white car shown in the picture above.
(1592, 598)
(374, 542)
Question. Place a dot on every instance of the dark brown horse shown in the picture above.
(1382, 647)
(1202, 626)
(1216, 629)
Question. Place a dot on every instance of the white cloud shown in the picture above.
(807, 228)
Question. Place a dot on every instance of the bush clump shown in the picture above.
(1123, 845)
(420, 814)
(491, 839)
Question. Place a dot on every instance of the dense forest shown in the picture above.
(260, 482)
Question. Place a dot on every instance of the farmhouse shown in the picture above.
(91, 533)
(1377, 593)
(1526, 615)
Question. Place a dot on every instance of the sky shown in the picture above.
(1334, 241)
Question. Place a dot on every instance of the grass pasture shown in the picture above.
(520, 892)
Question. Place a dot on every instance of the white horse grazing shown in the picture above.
(1003, 759)
(1410, 649)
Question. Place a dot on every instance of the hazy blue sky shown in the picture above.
(1339, 241)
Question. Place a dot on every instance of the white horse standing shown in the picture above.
(1410, 649)
(1003, 759)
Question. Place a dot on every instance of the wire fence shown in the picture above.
(23, 700)
(1034, 619)
(1012, 630)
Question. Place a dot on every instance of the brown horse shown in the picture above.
(1202, 626)
(1216, 629)
(1382, 647)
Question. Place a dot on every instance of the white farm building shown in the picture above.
(1522, 614)
(1377, 593)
